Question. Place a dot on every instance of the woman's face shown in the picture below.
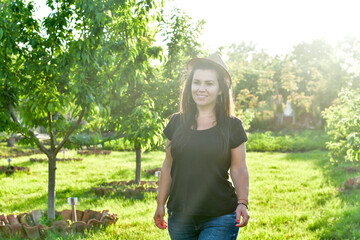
(205, 87)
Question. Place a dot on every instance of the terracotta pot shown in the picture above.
(28, 229)
(107, 219)
(61, 227)
(67, 214)
(37, 215)
(12, 218)
(86, 215)
(15, 230)
(3, 219)
(32, 232)
(90, 214)
(79, 227)
(94, 223)
(22, 218)
(43, 231)
(29, 220)
(79, 215)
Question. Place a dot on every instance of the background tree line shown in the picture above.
(310, 78)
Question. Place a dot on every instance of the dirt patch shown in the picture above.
(353, 183)
(128, 189)
(58, 159)
(95, 152)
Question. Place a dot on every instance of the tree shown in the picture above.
(252, 76)
(349, 50)
(55, 75)
(181, 35)
(320, 74)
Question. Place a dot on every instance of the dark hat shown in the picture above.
(214, 59)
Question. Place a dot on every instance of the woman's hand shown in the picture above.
(241, 211)
(159, 217)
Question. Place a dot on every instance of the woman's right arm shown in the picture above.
(164, 188)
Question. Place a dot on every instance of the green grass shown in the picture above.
(292, 195)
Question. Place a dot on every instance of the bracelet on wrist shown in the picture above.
(244, 205)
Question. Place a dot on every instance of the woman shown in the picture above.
(203, 142)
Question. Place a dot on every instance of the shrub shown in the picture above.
(343, 127)
(286, 142)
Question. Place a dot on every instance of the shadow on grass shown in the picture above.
(86, 196)
(341, 222)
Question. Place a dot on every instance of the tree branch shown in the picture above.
(71, 130)
(31, 133)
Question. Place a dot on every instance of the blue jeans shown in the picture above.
(187, 227)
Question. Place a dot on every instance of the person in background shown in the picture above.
(204, 141)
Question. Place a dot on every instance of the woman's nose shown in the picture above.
(202, 87)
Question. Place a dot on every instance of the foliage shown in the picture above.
(292, 195)
(343, 127)
(144, 125)
(181, 36)
(119, 145)
(286, 142)
(56, 71)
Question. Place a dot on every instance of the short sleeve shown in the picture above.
(237, 133)
(171, 126)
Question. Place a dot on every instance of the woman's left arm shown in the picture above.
(240, 176)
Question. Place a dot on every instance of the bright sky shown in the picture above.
(275, 25)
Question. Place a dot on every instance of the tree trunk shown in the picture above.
(138, 163)
(11, 141)
(51, 186)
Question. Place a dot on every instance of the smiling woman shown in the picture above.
(204, 142)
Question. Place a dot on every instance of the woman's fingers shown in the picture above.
(242, 214)
(162, 225)
(243, 223)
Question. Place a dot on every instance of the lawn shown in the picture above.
(292, 195)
